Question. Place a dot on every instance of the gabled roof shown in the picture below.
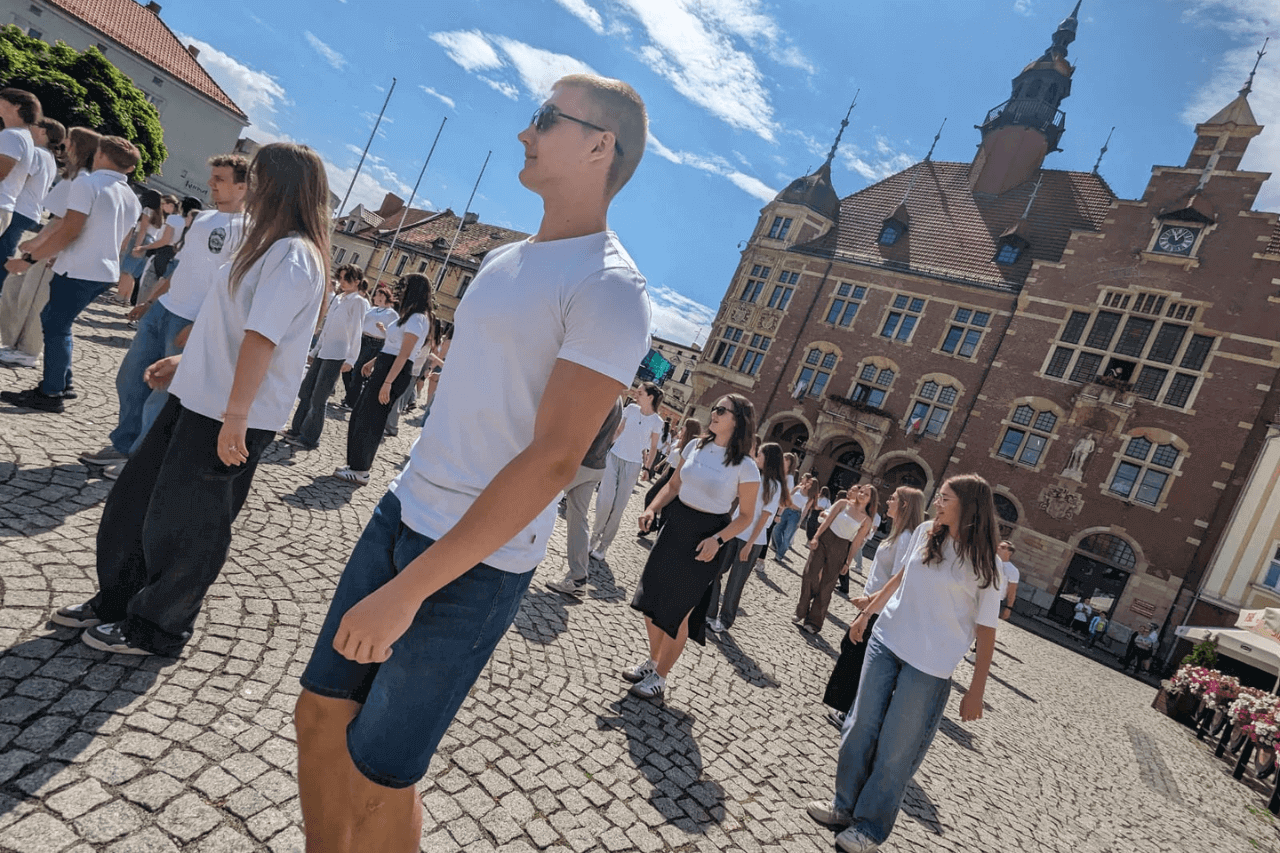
(475, 241)
(139, 30)
(411, 217)
(955, 232)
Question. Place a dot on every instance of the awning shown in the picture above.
(1239, 644)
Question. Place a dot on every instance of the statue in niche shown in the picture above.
(1079, 455)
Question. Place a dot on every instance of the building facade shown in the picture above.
(199, 119)
(1103, 362)
(671, 365)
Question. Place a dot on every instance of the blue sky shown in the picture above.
(743, 96)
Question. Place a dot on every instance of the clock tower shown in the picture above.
(1018, 134)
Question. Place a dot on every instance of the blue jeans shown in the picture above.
(139, 405)
(18, 225)
(317, 385)
(885, 738)
(408, 702)
(785, 531)
(67, 298)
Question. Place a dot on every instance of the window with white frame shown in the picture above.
(727, 347)
(932, 407)
(901, 320)
(1027, 435)
(965, 332)
(845, 304)
(355, 258)
(755, 283)
(1144, 471)
(780, 298)
(816, 372)
(1272, 577)
(781, 225)
(873, 385)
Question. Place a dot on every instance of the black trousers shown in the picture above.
(369, 418)
(166, 528)
(353, 380)
(842, 686)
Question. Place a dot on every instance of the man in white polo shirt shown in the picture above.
(19, 110)
(100, 211)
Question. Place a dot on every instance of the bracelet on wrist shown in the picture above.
(230, 417)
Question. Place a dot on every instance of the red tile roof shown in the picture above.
(475, 241)
(141, 31)
(956, 233)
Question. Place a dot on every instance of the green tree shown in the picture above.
(83, 88)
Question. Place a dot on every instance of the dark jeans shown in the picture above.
(317, 385)
(369, 418)
(353, 380)
(735, 571)
(166, 528)
(67, 298)
(18, 226)
(842, 686)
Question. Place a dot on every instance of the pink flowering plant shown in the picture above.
(1192, 679)
(1257, 714)
(1221, 690)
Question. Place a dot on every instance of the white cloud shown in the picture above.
(331, 56)
(444, 99)
(469, 49)
(539, 69)
(747, 19)
(256, 92)
(715, 166)
(678, 318)
(501, 87)
(1022, 7)
(536, 68)
(1248, 21)
(884, 160)
(585, 12)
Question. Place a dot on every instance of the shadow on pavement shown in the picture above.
(606, 584)
(1015, 691)
(961, 736)
(660, 744)
(52, 493)
(917, 804)
(324, 492)
(543, 616)
(817, 642)
(743, 663)
(764, 578)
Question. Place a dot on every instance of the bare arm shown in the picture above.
(1012, 596)
(46, 234)
(874, 605)
(6, 166)
(72, 225)
(165, 239)
(406, 349)
(251, 367)
(971, 704)
(835, 510)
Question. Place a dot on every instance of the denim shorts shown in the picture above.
(410, 700)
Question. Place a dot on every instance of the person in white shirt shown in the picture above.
(151, 224)
(334, 353)
(173, 307)
(673, 592)
(19, 110)
(637, 439)
(162, 249)
(905, 509)
(448, 554)
(739, 557)
(166, 526)
(47, 133)
(100, 210)
(373, 334)
(1012, 576)
(948, 592)
(28, 286)
(388, 374)
(838, 537)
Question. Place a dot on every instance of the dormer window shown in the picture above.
(891, 231)
(1009, 253)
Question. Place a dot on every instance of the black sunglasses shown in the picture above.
(721, 410)
(546, 116)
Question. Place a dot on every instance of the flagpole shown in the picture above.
(461, 221)
(365, 153)
(408, 208)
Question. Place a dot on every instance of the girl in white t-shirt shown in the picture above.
(905, 509)
(844, 530)
(388, 375)
(166, 526)
(160, 250)
(673, 589)
(149, 227)
(949, 591)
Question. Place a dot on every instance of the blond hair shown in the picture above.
(620, 110)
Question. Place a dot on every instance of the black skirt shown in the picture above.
(674, 583)
(842, 686)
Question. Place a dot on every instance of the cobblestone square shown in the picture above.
(110, 753)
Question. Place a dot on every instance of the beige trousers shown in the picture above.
(23, 298)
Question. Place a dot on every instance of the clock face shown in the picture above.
(1176, 239)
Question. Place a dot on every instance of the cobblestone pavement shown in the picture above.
(116, 754)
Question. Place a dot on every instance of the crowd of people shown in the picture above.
(243, 333)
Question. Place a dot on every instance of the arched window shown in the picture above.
(1111, 549)
(1027, 434)
(1005, 509)
(1144, 471)
(816, 372)
(932, 408)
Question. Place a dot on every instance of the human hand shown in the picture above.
(137, 253)
(707, 549)
(384, 393)
(371, 627)
(17, 266)
(346, 368)
(646, 520)
(858, 628)
(137, 311)
(159, 375)
(745, 553)
(381, 327)
(862, 602)
(232, 449)
(971, 706)
(367, 369)
(813, 543)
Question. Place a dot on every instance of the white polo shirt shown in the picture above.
(531, 304)
(112, 210)
(15, 142)
(211, 241)
(31, 200)
(279, 298)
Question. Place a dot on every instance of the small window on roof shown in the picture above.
(157, 81)
(1008, 254)
(892, 230)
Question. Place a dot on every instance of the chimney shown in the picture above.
(194, 51)
(470, 219)
(154, 8)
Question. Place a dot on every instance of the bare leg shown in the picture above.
(125, 286)
(670, 651)
(657, 638)
(342, 811)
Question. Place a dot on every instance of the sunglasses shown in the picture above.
(722, 410)
(546, 116)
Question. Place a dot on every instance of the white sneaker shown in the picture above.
(653, 687)
(972, 658)
(852, 840)
(113, 471)
(715, 626)
(598, 556)
(568, 586)
(17, 358)
(828, 815)
(639, 672)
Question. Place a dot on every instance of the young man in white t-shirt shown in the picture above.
(101, 210)
(449, 552)
(19, 110)
(173, 306)
(636, 442)
(1004, 552)
(29, 208)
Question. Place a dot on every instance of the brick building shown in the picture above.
(1105, 363)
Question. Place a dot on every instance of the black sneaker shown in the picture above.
(836, 718)
(33, 398)
(69, 393)
(76, 616)
(110, 638)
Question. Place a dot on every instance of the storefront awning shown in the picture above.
(1239, 644)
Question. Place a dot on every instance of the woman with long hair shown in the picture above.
(160, 251)
(831, 549)
(26, 289)
(690, 430)
(672, 592)
(820, 503)
(166, 527)
(373, 334)
(948, 592)
(790, 462)
(388, 375)
(739, 557)
(155, 208)
(905, 509)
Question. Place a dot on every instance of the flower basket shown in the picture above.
(1257, 715)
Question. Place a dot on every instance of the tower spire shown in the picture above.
(831, 155)
(936, 137)
(1248, 84)
(1104, 150)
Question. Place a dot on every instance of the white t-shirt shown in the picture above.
(1011, 573)
(112, 209)
(373, 316)
(417, 325)
(340, 336)
(177, 222)
(824, 504)
(211, 241)
(31, 200)
(889, 559)
(767, 510)
(15, 142)
(637, 433)
(279, 298)
(707, 484)
(56, 201)
(931, 619)
(580, 300)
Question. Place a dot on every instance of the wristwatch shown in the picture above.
(26, 256)
(719, 541)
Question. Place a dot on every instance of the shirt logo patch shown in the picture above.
(217, 239)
